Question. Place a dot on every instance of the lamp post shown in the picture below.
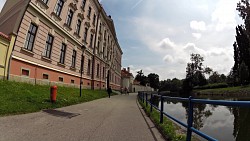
(81, 69)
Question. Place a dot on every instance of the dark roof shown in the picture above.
(4, 36)
(125, 73)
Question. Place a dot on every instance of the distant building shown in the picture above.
(56, 39)
(127, 79)
(130, 83)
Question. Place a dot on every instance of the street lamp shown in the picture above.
(81, 69)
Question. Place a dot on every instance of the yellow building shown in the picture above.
(6, 46)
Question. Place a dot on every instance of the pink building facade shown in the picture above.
(62, 42)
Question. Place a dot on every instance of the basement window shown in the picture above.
(25, 72)
(60, 79)
(45, 76)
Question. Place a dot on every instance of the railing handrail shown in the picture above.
(213, 102)
(191, 101)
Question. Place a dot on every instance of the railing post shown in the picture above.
(146, 100)
(139, 96)
(161, 114)
(151, 107)
(143, 97)
(190, 119)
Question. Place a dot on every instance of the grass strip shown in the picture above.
(20, 98)
(168, 129)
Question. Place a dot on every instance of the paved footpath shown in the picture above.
(119, 118)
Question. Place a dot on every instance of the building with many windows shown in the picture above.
(62, 42)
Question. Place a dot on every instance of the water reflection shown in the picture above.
(241, 124)
(221, 122)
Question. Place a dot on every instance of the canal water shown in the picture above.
(220, 122)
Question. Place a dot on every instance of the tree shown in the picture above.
(243, 73)
(242, 44)
(223, 78)
(214, 78)
(195, 72)
(141, 78)
(231, 79)
(153, 80)
(173, 85)
(244, 12)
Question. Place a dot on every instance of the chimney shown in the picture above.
(128, 70)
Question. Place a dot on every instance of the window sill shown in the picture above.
(53, 14)
(77, 35)
(67, 26)
(84, 42)
(43, 4)
(27, 51)
(46, 59)
(73, 68)
(60, 64)
(82, 71)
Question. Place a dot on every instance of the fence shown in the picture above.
(143, 96)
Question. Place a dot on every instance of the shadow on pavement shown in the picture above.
(58, 113)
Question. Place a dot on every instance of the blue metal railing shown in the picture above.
(143, 96)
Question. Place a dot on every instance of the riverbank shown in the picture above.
(20, 98)
(229, 91)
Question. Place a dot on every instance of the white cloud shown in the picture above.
(164, 72)
(197, 35)
(167, 44)
(168, 59)
(198, 25)
(224, 16)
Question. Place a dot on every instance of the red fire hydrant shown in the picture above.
(53, 92)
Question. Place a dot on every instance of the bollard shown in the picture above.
(146, 100)
(161, 114)
(53, 92)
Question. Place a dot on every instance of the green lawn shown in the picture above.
(19, 98)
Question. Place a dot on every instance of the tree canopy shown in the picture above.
(242, 46)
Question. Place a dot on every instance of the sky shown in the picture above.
(158, 36)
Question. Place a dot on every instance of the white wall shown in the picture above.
(136, 88)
